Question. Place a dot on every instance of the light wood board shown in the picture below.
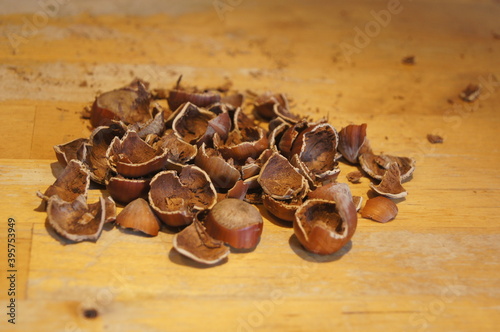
(435, 267)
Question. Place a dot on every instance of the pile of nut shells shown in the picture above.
(194, 161)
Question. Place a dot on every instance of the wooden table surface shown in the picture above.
(435, 267)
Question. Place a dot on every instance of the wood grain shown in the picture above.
(434, 268)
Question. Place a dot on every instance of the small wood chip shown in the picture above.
(354, 177)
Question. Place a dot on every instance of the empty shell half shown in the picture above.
(176, 198)
(70, 184)
(132, 157)
(223, 174)
(353, 142)
(77, 221)
(377, 165)
(128, 104)
(195, 243)
(324, 227)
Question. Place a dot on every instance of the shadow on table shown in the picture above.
(176, 258)
(310, 257)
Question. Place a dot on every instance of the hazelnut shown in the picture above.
(137, 215)
(235, 222)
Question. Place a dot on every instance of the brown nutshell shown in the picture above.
(70, 184)
(137, 215)
(195, 243)
(390, 185)
(324, 227)
(77, 221)
(380, 208)
(235, 222)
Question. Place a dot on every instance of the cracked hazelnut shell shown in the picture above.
(324, 226)
(223, 174)
(195, 243)
(176, 198)
(125, 190)
(178, 97)
(380, 208)
(319, 227)
(353, 142)
(129, 105)
(191, 122)
(390, 185)
(71, 183)
(376, 165)
(77, 221)
(132, 157)
(99, 141)
(279, 179)
(75, 149)
(316, 148)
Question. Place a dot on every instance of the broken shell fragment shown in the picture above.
(235, 222)
(70, 184)
(279, 179)
(330, 190)
(137, 215)
(324, 227)
(110, 209)
(191, 122)
(155, 126)
(377, 165)
(177, 97)
(126, 104)
(264, 104)
(125, 190)
(282, 209)
(233, 100)
(354, 177)
(316, 148)
(285, 114)
(241, 145)
(357, 200)
(390, 185)
(353, 142)
(75, 149)
(289, 136)
(132, 157)
(239, 190)
(99, 142)
(223, 174)
(77, 221)
(179, 152)
(176, 198)
(221, 125)
(380, 208)
(194, 242)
